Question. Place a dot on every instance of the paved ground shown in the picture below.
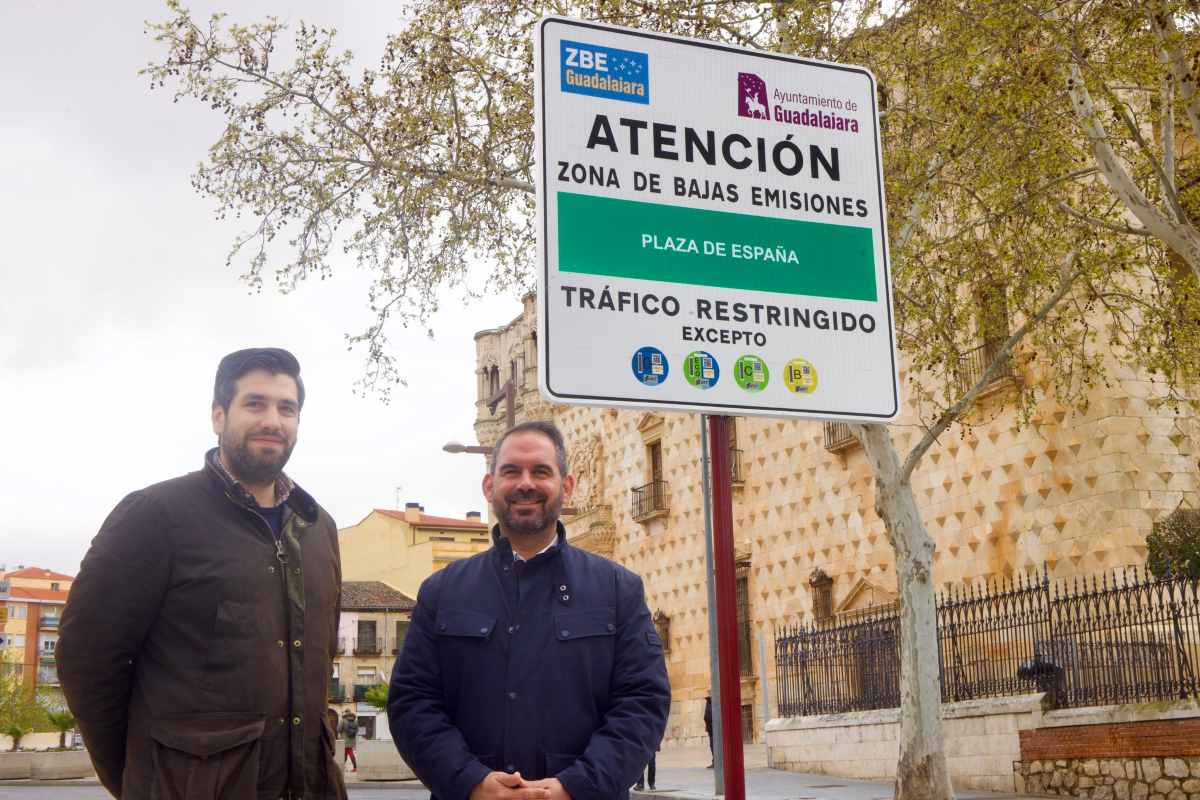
(682, 775)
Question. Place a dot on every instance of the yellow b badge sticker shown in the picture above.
(800, 376)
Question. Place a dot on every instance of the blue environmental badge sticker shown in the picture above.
(701, 369)
(650, 366)
(604, 72)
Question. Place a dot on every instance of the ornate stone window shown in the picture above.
(822, 595)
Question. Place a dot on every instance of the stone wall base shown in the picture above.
(981, 736)
(1111, 778)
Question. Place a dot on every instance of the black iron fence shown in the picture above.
(649, 499)
(1122, 637)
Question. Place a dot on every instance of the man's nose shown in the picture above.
(272, 419)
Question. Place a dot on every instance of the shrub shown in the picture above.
(1173, 546)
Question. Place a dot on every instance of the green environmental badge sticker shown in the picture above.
(800, 376)
(751, 373)
(701, 370)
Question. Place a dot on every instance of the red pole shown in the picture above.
(727, 633)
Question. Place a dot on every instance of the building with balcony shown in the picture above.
(33, 600)
(374, 621)
(402, 548)
(1074, 492)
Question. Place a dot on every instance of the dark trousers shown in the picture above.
(649, 773)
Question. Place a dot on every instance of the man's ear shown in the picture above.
(218, 418)
(487, 486)
(568, 487)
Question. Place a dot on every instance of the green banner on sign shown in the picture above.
(652, 241)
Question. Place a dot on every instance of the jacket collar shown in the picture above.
(504, 547)
(296, 498)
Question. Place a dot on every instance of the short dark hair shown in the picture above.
(274, 360)
(547, 429)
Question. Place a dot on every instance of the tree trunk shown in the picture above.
(921, 773)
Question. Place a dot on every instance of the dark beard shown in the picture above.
(248, 468)
(529, 526)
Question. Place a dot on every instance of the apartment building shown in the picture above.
(33, 599)
(371, 631)
(402, 548)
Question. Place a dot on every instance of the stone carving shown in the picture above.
(587, 465)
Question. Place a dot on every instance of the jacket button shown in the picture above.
(271, 569)
(295, 720)
(511, 767)
(296, 571)
(483, 631)
(562, 588)
(612, 627)
(279, 643)
(511, 628)
(282, 721)
(564, 633)
(296, 644)
(512, 695)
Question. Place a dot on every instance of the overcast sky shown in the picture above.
(116, 304)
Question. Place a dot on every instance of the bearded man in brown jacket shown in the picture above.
(196, 644)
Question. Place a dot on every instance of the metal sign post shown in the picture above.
(727, 633)
(714, 670)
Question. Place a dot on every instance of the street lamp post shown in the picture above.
(506, 393)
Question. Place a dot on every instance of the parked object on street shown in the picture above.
(378, 760)
(197, 642)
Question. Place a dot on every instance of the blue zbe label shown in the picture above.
(605, 72)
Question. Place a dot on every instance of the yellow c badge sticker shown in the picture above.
(800, 376)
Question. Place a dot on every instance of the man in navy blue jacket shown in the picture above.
(531, 671)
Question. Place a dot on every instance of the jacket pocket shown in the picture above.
(464, 624)
(572, 625)
(210, 756)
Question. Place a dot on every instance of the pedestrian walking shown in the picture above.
(531, 671)
(197, 642)
(349, 732)
(708, 729)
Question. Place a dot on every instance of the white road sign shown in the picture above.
(712, 228)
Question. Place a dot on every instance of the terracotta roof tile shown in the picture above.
(429, 521)
(43, 595)
(38, 573)
(374, 596)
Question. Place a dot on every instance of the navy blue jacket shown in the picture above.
(550, 668)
